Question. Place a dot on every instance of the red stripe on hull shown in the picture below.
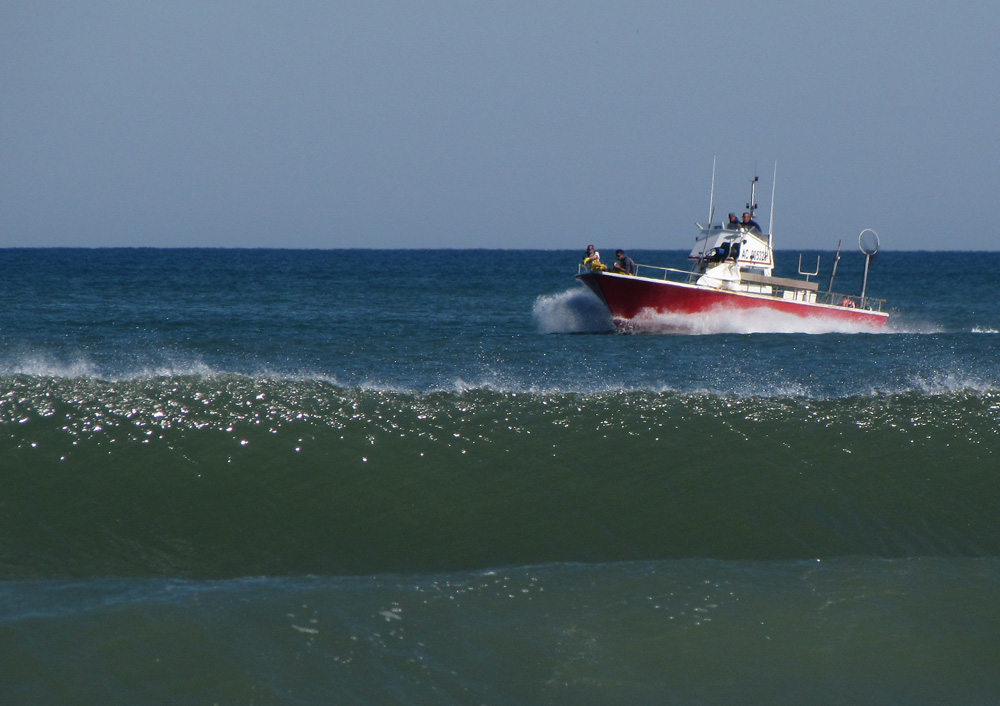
(626, 297)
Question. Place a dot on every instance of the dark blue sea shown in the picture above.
(441, 477)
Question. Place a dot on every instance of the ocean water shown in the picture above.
(441, 477)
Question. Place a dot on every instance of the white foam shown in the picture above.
(45, 366)
(950, 383)
(726, 320)
(176, 369)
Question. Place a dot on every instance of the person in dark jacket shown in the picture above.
(624, 264)
(749, 223)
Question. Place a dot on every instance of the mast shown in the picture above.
(711, 197)
(711, 214)
(752, 205)
(770, 226)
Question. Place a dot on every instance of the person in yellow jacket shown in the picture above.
(592, 259)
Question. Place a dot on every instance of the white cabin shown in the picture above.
(747, 250)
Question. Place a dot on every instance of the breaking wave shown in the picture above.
(236, 476)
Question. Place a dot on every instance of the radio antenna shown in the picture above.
(770, 227)
(707, 230)
(711, 197)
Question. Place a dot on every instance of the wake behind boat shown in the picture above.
(732, 272)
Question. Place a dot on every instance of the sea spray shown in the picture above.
(573, 311)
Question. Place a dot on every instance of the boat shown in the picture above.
(731, 272)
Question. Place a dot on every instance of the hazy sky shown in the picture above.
(534, 124)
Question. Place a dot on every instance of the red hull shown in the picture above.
(627, 297)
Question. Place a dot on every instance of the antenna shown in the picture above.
(711, 197)
(770, 227)
(707, 230)
(752, 206)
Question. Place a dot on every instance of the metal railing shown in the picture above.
(652, 272)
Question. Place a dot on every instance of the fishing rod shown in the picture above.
(833, 274)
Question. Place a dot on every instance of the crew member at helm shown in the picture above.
(749, 223)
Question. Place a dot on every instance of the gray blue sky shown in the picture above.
(537, 124)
